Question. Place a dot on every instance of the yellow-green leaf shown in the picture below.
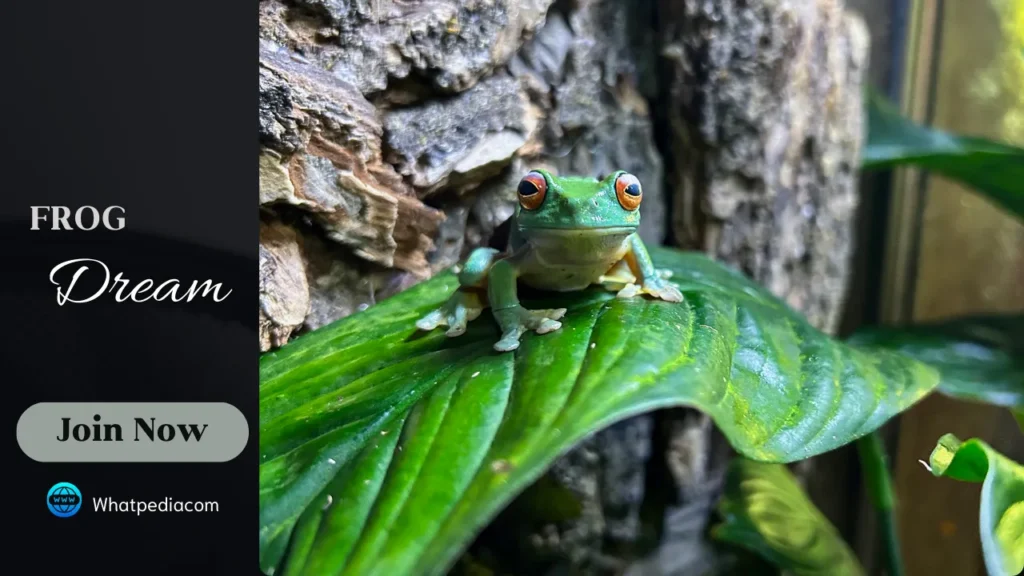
(1001, 518)
(765, 510)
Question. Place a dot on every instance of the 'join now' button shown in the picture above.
(132, 432)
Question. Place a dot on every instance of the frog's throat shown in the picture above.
(580, 254)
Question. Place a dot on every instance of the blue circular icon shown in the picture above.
(64, 499)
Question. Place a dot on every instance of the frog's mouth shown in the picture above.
(578, 246)
(581, 231)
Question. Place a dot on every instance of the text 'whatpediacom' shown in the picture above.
(140, 507)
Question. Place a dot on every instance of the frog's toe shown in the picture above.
(547, 325)
(509, 340)
(431, 321)
(675, 294)
(552, 313)
(519, 320)
(543, 321)
(628, 291)
(456, 320)
(666, 292)
(459, 310)
(664, 273)
(459, 316)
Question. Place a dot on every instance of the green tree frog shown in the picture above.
(567, 233)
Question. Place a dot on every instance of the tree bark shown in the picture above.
(767, 129)
(763, 100)
(392, 135)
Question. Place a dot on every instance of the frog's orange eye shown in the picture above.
(532, 190)
(628, 191)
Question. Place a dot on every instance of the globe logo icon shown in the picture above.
(64, 499)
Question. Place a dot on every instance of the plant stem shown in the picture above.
(875, 468)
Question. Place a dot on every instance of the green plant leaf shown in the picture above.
(1002, 498)
(980, 358)
(477, 426)
(765, 510)
(991, 168)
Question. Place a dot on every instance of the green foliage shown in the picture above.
(766, 511)
(404, 444)
(1002, 498)
(874, 465)
(991, 168)
(383, 450)
(980, 358)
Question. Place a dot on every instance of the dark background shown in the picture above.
(146, 105)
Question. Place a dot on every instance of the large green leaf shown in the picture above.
(765, 510)
(980, 358)
(991, 168)
(1002, 498)
(478, 426)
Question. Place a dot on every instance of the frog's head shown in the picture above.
(549, 204)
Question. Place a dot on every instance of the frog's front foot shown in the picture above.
(515, 321)
(663, 290)
(656, 286)
(464, 306)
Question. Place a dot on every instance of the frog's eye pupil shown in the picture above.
(527, 188)
(633, 189)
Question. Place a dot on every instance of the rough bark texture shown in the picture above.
(764, 103)
(392, 134)
(284, 289)
(766, 121)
